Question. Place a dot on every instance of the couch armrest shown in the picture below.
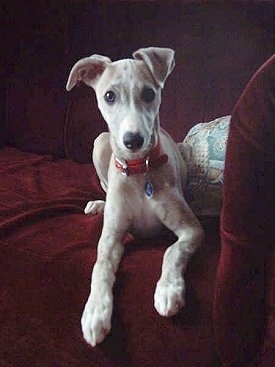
(247, 221)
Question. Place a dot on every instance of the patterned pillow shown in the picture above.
(203, 149)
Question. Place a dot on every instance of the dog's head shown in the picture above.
(129, 94)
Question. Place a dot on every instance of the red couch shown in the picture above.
(47, 244)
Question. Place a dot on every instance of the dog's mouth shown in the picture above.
(154, 158)
(136, 144)
(133, 145)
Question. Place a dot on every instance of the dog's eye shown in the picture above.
(148, 95)
(110, 97)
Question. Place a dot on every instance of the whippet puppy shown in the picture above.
(143, 173)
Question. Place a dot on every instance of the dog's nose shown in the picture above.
(133, 141)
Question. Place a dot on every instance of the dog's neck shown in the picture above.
(153, 159)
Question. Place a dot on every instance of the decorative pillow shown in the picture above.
(204, 149)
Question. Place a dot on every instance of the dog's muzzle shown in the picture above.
(133, 141)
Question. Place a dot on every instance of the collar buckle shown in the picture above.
(147, 163)
(122, 166)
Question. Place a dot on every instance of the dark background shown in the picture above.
(218, 46)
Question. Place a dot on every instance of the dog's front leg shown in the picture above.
(175, 214)
(96, 318)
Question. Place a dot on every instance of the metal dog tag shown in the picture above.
(149, 189)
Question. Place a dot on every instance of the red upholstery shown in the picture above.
(47, 244)
(47, 250)
(247, 233)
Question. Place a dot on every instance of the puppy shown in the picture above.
(143, 173)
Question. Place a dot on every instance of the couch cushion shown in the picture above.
(48, 248)
(204, 150)
(39, 193)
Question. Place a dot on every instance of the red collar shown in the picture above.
(153, 160)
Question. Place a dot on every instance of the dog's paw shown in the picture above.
(169, 297)
(96, 318)
(94, 207)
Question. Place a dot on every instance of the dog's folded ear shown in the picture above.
(160, 62)
(87, 70)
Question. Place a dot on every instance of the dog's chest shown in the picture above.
(144, 221)
(138, 199)
(144, 195)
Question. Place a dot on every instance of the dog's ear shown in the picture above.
(160, 62)
(87, 70)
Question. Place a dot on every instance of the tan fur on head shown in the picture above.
(160, 62)
(87, 70)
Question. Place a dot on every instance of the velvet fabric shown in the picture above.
(247, 234)
(48, 245)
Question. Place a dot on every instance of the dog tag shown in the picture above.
(149, 189)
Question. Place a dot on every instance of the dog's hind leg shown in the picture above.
(101, 157)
